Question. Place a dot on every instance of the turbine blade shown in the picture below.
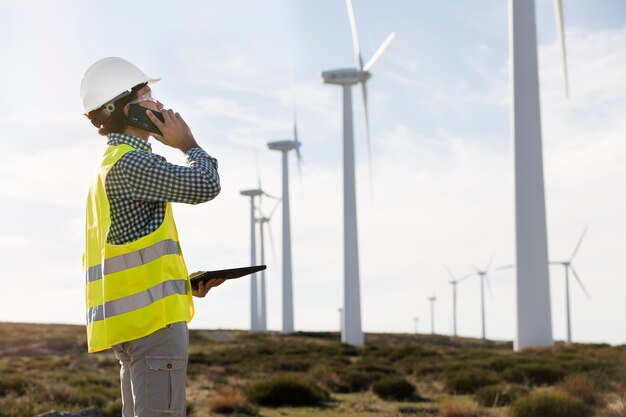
(278, 201)
(355, 36)
(379, 52)
(295, 138)
(295, 114)
(558, 11)
(463, 278)
(272, 247)
(367, 130)
(580, 282)
(256, 163)
(578, 244)
(299, 162)
(490, 261)
(449, 272)
(273, 197)
(505, 267)
(258, 178)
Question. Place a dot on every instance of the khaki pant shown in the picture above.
(153, 373)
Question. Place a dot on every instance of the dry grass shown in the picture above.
(459, 408)
(616, 408)
(229, 400)
(587, 387)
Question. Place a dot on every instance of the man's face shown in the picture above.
(145, 99)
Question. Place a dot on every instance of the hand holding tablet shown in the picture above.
(232, 273)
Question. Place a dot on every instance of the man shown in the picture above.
(139, 299)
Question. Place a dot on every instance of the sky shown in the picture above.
(441, 190)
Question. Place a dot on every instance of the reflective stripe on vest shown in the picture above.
(136, 288)
(132, 259)
(136, 301)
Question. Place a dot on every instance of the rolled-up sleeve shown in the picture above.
(151, 178)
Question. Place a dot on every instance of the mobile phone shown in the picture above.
(137, 117)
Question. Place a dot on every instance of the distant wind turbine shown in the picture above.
(284, 146)
(352, 332)
(263, 221)
(567, 265)
(416, 320)
(483, 274)
(254, 296)
(432, 313)
(534, 319)
(455, 281)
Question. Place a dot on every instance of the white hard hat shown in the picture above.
(108, 79)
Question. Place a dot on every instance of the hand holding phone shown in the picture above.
(137, 117)
(174, 130)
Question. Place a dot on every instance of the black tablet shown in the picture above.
(226, 274)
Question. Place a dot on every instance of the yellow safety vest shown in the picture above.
(136, 288)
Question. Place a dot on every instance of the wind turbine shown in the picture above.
(352, 333)
(483, 274)
(254, 306)
(285, 146)
(455, 281)
(534, 320)
(567, 265)
(432, 313)
(416, 320)
(262, 221)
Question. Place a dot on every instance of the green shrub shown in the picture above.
(534, 374)
(550, 404)
(286, 390)
(17, 384)
(200, 358)
(394, 388)
(468, 380)
(502, 363)
(499, 395)
(288, 365)
(373, 367)
(356, 381)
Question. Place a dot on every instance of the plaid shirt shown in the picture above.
(140, 183)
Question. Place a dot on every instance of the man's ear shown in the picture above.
(126, 109)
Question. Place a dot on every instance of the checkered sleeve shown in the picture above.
(151, 178)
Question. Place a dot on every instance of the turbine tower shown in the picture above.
(263, 294)
(254, 296)
(432, 313)
(534, 319)
(352, 333)
(567, 265)
(483, 276)
(262, 221)
(455, 281)
(284, 146)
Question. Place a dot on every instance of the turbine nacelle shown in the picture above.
(346, 76)
(252, 193)
(283, 145)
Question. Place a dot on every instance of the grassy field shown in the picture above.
(46, 367)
